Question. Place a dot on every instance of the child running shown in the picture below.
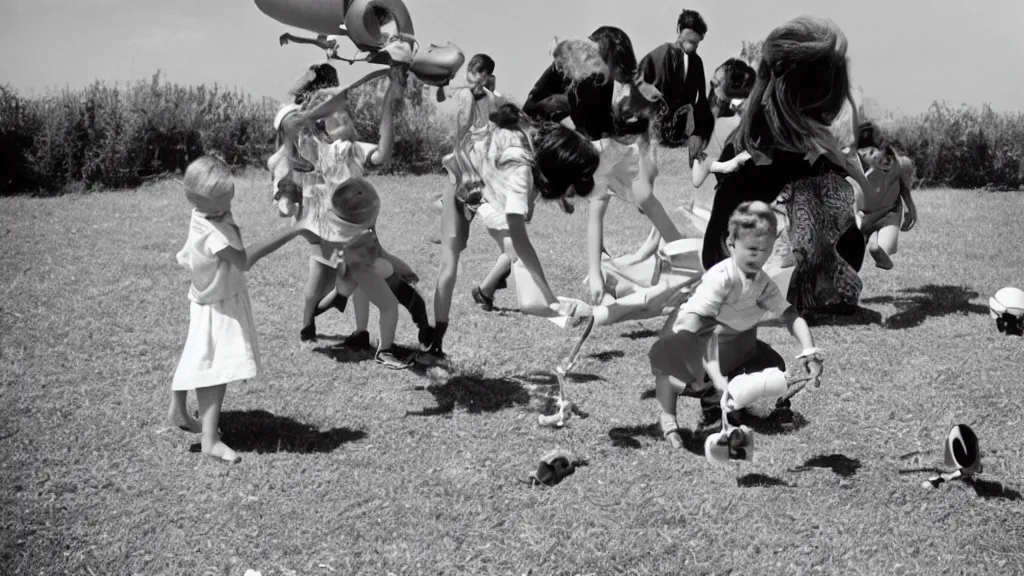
(733, 296)
(475, 108)
(221, 347)
(880, 211)
(513, 162)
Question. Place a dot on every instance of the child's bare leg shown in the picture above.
(667, 390)
(318, 285)
(211, 399)
(378, 292)
(361, 309)
(878, 252)
(177, 413)
(502, 265)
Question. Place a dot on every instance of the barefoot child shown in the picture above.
(221, 346)
(880, 211)
(733, 297)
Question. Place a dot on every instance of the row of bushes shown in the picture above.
(107, 136)
(119, 136)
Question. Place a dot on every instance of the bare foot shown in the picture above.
(221, 451)
(182, 419)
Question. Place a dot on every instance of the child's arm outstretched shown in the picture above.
(245, 259)
(321, 41)
(700, 171)
(527, 254)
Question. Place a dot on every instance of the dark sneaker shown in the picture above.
(482, 300)
(358, 341)
(431, 357)
(389, 359)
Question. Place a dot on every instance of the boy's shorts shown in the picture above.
(870, 225)
(668, 359)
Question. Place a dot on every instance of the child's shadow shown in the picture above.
(918, 304)
(762, 481)
(476, 394)
(857, 317)
(262, 432)
(840, 464)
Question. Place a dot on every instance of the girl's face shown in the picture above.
(751, 252)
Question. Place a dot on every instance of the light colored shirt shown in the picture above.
(504, 162)
(886, 195)
(213, 278)
(732, 299)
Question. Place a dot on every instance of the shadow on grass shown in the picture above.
(627, 437)
(476, 394)
(607, 355)
(262, 432)
(542, 378)
(918, 304)
(842, 465)
(988, 489)
(761, 481)
(857, 317)
(642, 334)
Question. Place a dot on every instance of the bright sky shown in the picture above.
(905, 54)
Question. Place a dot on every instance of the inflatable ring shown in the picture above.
(363, 26)
(329, 16)
(435, 66)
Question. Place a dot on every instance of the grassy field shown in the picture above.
(350, 469)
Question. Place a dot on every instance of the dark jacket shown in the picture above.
(664, 68)
(588, 103)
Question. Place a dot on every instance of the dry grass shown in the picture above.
(350, 469)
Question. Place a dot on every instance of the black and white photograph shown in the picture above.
(530, 288)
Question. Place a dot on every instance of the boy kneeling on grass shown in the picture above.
(734, 296)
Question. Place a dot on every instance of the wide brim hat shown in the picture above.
(962, 452)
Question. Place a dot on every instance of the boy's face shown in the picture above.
(751, 251)
(477, 79)
(689, 40)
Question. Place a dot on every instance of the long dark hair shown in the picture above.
(562, 157)
(616, 49)
(315, 77)
(802, 85)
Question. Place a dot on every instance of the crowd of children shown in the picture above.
(590, 128)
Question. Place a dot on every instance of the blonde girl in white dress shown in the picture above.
(221, 345)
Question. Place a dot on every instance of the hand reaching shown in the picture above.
(572, 308)
(596, 289)
(909, 220)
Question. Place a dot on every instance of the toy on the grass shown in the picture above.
(737, 442)
(1007, 308)
(961, 454)
(554, 466)
(360, 22)
(566, 407)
